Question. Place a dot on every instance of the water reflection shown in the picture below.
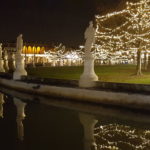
(122, 137)
(1, 104)
(20, 105)
(88, 121)
(100, 131)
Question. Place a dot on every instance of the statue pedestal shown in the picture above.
(88, 76)
(20, 67)
(2, 65)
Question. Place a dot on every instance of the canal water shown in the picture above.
(30, 122)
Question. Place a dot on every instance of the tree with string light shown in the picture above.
(138, 31)
(131, 32)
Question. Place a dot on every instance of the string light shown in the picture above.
(131, 35)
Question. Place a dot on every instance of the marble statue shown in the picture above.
(19, 59)
(19, 43)
(88, 76)
(6, 61)
(1, 60)
(90, 38)
(0, 50)
(12, 64)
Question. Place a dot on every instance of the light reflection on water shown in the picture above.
(43, 124)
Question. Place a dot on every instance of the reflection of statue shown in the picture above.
(1, 104)
(90, 37)
(20, 117)
(19, 44)
(88, 122)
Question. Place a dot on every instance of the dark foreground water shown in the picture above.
(29, 122)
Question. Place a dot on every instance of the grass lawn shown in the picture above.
(116, 73)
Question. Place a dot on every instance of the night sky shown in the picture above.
(50, 20)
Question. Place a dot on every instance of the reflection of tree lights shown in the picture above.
(119, 137)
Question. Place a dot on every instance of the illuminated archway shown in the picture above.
(38, 49)
(24, 50)
(29, 51)
(42, 50)
(33, 50)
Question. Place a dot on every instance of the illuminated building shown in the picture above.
(42, 54)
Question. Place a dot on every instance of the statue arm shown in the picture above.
(86, 34)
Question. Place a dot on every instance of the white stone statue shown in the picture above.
(90, 38)
(6, 61)
(0, 50)
(88, 76)
(13, 63)
(20, 66)
(19, 43)
(1, 60)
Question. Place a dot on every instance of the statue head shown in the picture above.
(91, 23)
(20, 35)
(19, 42)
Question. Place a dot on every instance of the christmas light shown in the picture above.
(132, 33)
